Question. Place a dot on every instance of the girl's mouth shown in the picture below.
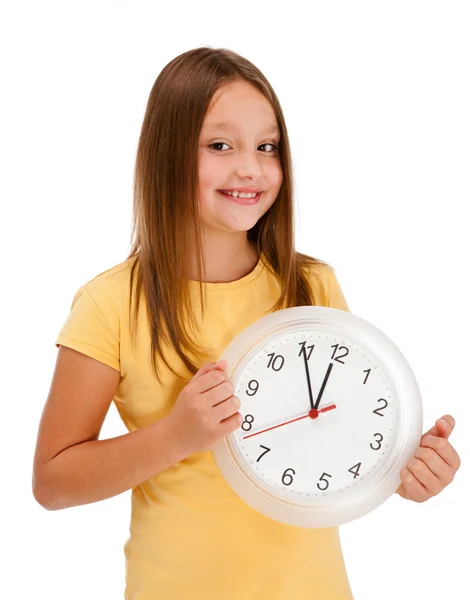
(238, 200)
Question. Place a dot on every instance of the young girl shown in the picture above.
(213, 252)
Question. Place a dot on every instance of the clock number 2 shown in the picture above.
(377, 410)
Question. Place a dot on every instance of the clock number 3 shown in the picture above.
(381, 437)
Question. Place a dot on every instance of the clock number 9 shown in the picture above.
(253, 390)
(324, 481)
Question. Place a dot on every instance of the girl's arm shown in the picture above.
(71, 466)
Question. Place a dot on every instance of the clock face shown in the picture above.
(331, 414)
(319, 415)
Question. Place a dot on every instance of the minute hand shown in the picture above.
(320, 393)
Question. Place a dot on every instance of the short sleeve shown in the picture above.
(335, 296)
(91, 328)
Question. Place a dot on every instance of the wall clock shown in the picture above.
(331, 414)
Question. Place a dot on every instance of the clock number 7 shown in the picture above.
(263, 453)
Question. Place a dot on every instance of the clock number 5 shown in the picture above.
(325, 481)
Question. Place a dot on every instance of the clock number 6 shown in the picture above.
(286, 475)
(324, 481)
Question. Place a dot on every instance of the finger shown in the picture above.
(445, 426)
(206, 367)
(432, 484)
(443, 429)
(414, 489)
(438, 467)
(443, 448)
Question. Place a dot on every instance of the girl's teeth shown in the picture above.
(239, 195)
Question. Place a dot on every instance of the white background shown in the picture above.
(376, 96)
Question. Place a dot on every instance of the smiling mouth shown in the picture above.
(238, 200)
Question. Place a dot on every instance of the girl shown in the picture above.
(213, 252)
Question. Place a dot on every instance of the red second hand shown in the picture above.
(312, 413)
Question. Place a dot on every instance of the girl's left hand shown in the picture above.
(433, 466)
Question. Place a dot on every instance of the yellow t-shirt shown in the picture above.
(191, 536)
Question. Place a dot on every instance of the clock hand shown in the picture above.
(312, 413)
(308, 379)
(320, 393)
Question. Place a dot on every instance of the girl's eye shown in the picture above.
(224, 144)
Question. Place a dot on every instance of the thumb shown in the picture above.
(206, 367)
(443, 427)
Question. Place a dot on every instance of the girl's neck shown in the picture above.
(229, 264)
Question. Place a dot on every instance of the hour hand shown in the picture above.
(323, 385)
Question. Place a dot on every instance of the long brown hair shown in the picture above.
(166, 226)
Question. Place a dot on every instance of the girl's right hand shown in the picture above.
(206, 410)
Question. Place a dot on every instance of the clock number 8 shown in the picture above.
(247, 422)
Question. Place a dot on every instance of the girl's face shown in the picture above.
(238, 149)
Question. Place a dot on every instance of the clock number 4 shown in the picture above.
(355, 469)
